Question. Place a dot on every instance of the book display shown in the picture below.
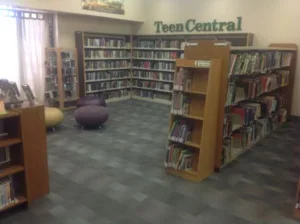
(62, 87)
(105, 65)
(191, 146)
(20, 145)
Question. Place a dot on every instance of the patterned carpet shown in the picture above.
(115, 176)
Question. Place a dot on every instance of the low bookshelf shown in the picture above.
(23, 155)
(258, 98)
(104, 65)
(191, 146)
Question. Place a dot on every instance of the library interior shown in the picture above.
(148, 112)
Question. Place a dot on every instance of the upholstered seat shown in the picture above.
(91, 101)
(91, 116)
(53, 117)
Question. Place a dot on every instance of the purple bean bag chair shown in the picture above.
(91, 116)
(91, 101)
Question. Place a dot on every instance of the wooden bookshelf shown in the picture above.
(198, 144)
(104, 65)
(26, 167)
(149, 70)
(62, 86)
(152, 54)
(280, 89)
(12, 169)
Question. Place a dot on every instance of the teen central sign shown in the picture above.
(192, 25)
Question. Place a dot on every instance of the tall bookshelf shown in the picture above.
(154, 57)
(191, 147)
(24, 174)
(61, 81)
(149, 60)
(153, 67)
(105, 65)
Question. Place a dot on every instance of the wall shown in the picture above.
(269, 20)
(133, 8)
(68, 24)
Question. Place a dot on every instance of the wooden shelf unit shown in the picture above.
(160, 52)
(62, 86)
(104, 65)
(155, 83)
(287, 89)
(202, 113)
(28, 166)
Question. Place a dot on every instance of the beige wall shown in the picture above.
(133, 8)
(269, 20)
(68, 24)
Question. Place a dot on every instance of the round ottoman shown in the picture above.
(53, 117)
(91, 101)
(91, 116)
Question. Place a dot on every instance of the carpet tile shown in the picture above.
(115, 175)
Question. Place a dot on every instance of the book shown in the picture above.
(181, 131)
(246, 88)
(7, 193)
(179, 158)
(180, 104)
(258, 62)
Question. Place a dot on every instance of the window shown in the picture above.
(9, 56)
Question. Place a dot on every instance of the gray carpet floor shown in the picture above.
(115, 176)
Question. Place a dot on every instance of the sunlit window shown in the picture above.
(9, 57)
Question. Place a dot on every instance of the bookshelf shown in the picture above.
(191, 146)
(255, 98)
(62, 87)
(153, 65)
(23, 177)
(121, 67)
(154, 57)
(105, 65)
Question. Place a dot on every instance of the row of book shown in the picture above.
(183, 80)
(244, 138)
(151, 94)
(112, 94)
(90, 76)
(7, 193)
(181, 131)
(179, 158)
(157, 44)
(105, 42)
(107, 85)
(107, 64)
(51, 70)
(153, 85)
(153, 75)
(99, 54)
(180, 103)
(154, 65)
(247, 113)
(155, 54)
(250, 88)
(251, 63)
